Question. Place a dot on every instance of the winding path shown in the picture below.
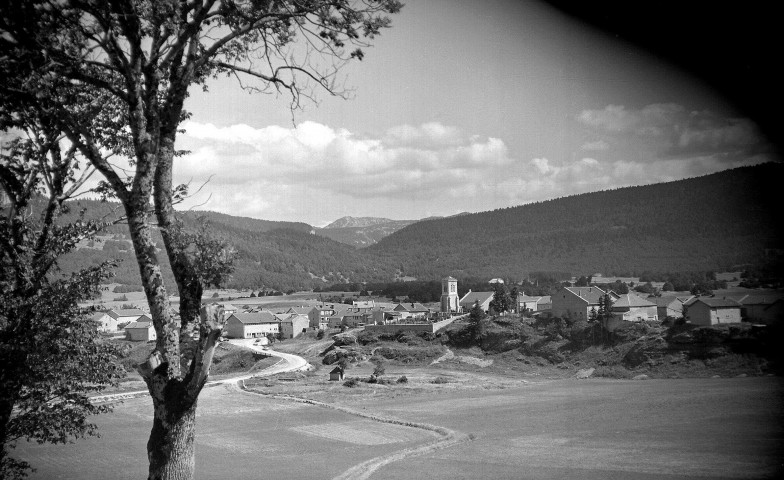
(287, 363)
(364, 470)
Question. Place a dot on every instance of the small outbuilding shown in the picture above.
(707, 311)
(336, 374)
(140, 331)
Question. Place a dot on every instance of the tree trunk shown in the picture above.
(171, 447)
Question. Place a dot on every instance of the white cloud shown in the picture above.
(314, 165)
(670, 130)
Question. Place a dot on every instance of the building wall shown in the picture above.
(566, 303)
(107, 324)
(638, 314)
(140, 334)
(701, 314)
(236, 329)
(674, 309)
(766, 313)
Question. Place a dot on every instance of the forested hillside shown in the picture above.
(729, 220)
(714, 222)
(275, 255)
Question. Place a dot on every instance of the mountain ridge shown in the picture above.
(713, 222)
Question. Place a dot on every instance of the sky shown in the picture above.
(463, 106)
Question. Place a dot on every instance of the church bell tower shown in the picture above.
(450, 302)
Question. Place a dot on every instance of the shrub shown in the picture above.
(351, 382)
(121, 299)
(380, 367)
(320, 334)
(612, 371)
(440, 380)
(402, 379)
(365, 337)
(127, 288)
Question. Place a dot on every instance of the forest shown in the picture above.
(719, 222)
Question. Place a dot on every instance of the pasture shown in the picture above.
(548, 429)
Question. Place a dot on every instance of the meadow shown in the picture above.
(557, 428)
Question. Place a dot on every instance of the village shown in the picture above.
(243, 321)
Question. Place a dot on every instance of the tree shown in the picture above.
(501, 301)
(513, 296)
(51, 356)
(114, 76)
(475, 318)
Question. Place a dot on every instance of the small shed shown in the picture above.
(336, 374)
(140, 332)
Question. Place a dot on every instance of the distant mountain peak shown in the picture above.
(353, 222)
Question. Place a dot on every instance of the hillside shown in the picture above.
(352, 222)
(361, 232)
(274, 255)
(724, 221)
(714, 222)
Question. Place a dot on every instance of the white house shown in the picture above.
(633, 308)
(251, 325)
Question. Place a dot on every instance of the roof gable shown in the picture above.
(713, 302)
(128, 312)
(630, 300)
(471, 298)
(590, 295)
(255, 318)
(134, 325)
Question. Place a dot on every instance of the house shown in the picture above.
(251, 325)
(118, 317)
(544, 304)
(577, 302)
(319, 314)
(293, 325)
(633, 308)
(411, 310)
(471, 298)
(667, 306)
(105, 322)
(336, 374)
(708, 311)
(533, 304)
(764, 308)
(228, 309)
(141, 331)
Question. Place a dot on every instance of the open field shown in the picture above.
(566, 428)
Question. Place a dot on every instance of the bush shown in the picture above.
(440, 380)
(320, 334)
(402, 379)
(365, 337)
(351, 383)
(612, 371)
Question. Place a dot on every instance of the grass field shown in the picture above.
(548, 429)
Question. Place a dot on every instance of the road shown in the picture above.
(288, 363)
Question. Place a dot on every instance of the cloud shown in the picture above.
(669, 130)
(313, 164)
